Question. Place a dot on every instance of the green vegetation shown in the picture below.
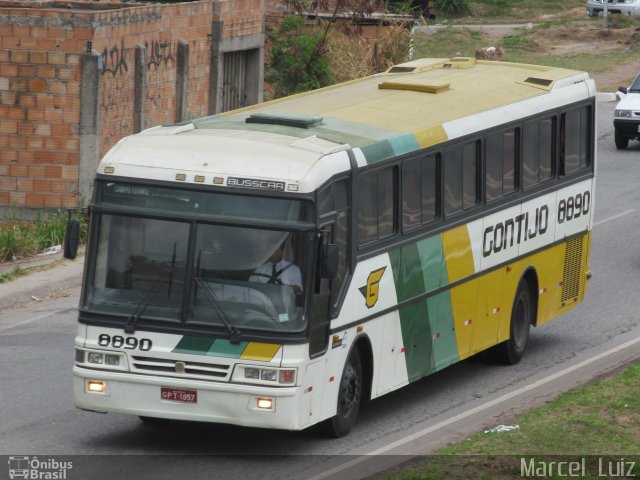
(296, 62)
(452, 8)
(13, 274)
(601, 419)
(21, 238)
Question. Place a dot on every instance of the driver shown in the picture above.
(277, 270)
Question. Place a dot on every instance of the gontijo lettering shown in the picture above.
(515, 230)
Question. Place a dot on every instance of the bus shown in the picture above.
(279, 265)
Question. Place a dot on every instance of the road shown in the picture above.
(36, 352)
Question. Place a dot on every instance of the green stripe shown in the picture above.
(377, 152)
(434, 266)
(194, 345)
(224, 348)
(404, 144)
(210, 346)
(414, 318)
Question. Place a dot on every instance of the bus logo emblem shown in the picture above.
(180, 367)
(372, 288)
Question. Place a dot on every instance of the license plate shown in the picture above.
(179, 395)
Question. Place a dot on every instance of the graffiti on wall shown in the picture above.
(114, 60)
(159, 53)
(117, 87)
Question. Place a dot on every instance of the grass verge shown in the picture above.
(12, 275)
(599, 422)
(21, 238)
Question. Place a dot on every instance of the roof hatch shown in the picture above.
(426, 87)
(288, 119)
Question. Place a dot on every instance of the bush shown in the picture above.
(296, 62)
(452, 8)
(21, 238)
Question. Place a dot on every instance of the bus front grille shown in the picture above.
(572, 268)
(180, 369)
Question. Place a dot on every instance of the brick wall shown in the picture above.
(42, 47)
(157, 28)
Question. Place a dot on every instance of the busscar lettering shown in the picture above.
(255, 183)
(515, 231)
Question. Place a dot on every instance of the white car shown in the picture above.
(626, 120)
(625, 7)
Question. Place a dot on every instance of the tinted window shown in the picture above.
(419, 190)
(537, 151)
(376, 205)
(460, 177)
(501, 155)
(575, 140)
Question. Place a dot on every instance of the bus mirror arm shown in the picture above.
(329, 261)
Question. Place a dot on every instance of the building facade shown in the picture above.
(75, 77)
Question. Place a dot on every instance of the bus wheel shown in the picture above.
(349, 398)
(511, 351)
(622, 142)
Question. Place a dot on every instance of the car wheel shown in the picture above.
(622, 142)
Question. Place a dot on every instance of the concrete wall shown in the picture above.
(75, 81)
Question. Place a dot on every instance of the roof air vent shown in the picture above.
(287, 119)
(425, 87)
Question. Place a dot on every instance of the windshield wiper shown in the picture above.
(130, 326)
(234, 332)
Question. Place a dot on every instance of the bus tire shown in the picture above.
(349, 398)
(511, 351)
(72, 239)
(622, 142)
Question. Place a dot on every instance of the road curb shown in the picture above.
(61, 274)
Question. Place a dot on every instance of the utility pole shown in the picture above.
(606, 14)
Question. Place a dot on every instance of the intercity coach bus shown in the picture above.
(422, 215)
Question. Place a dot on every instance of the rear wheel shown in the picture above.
(511, 351)
(349, 398)
(622, 142)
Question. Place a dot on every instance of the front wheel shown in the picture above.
(622, 142)
(512, 351)
(349, 398)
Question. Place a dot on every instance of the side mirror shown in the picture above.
(623, 90)
(329, 261)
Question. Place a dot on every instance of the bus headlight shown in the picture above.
(264, 376)
(110, 360)
(623, 113)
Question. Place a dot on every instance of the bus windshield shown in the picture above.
(204, 275)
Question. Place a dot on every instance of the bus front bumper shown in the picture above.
(230, 403)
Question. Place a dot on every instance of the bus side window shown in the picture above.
(538, 152)
(461, 177)
(376, 205)
(575, 133)
(420, 191)
(501, 157)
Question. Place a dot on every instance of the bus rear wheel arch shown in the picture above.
(523, 314)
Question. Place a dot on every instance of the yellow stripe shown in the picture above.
(457, 251)
(430, 136)
(262, 352)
